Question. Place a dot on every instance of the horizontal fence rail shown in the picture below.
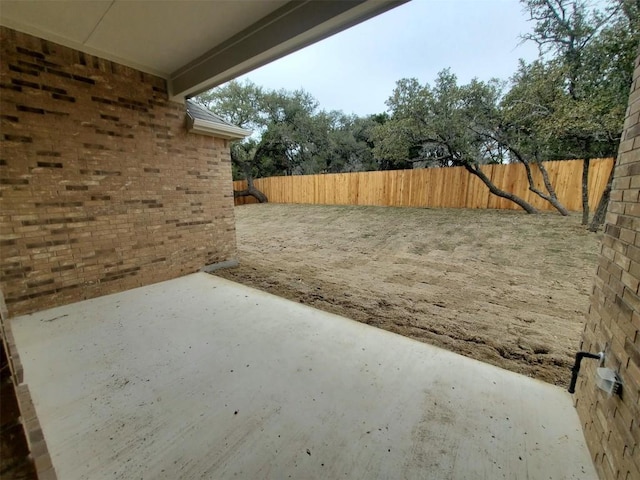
(451, 187)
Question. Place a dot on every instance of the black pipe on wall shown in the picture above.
(576, 367)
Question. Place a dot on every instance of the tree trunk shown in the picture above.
(251, 190)
(552, 198)
(601, 210)
(527, 207)
(585, 191)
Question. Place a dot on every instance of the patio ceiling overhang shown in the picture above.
(194, 45)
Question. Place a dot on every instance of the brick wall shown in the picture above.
(612, 425)
(102, 188)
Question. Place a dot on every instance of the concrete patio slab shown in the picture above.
(200, 377)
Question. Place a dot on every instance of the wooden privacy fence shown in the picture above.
(451, 187)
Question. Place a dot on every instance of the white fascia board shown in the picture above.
(213, 129)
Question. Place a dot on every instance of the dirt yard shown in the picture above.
(502, 287)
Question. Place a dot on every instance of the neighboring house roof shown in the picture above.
(205, 122)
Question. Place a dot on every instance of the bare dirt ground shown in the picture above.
(502, 287)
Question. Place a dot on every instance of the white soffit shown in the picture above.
(195, 45)
(171, 33)
(66, 21)
(157, 37)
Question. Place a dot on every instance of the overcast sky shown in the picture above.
(356, 70)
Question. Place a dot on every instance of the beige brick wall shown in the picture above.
(102, 188)
(612, 425)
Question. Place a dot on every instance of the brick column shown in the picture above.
(612, 424)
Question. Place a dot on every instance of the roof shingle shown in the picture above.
(196, 111)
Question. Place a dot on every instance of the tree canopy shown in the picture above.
(292, 135)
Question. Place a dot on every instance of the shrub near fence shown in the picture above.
(451, 187)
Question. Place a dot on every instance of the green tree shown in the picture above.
(240, 104)
(522, 125)
(294, 132)
(590, 52)
(291, 135)
(447, 124)
(349, 144)
(287, 130)
(399, 141)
